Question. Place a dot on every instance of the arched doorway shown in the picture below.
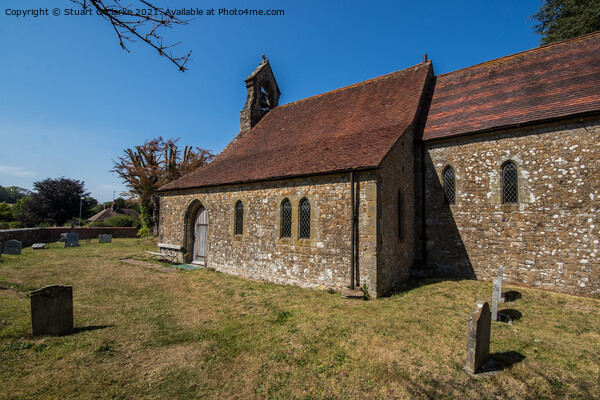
(200, 232)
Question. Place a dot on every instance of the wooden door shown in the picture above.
(200, 235)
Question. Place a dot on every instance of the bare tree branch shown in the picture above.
(143, 22)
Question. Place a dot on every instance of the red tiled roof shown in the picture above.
(553, 81)
(109, 212)
(352, 127)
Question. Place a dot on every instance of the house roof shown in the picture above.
(545, 83)
(109, 212)
(351, 127)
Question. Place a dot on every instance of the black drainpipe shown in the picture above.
(423, 202)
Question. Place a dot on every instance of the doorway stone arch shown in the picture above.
(196, 233)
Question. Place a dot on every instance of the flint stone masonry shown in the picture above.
(478, 337)
(104, 238)
(323, 261)
(12, 247)
(72, 240)
(52, 310)
(550, 239)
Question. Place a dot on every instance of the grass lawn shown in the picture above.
(146, 332)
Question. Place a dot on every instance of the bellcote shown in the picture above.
(263, 95)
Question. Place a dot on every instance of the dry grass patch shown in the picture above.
(151, 333)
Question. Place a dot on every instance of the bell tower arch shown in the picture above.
(263, 95)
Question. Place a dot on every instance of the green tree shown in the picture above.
(12, 193)
(54, 202)
(5, 212)
(565, 19)
(147, 167)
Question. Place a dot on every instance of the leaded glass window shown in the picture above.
(286, 219)
(304, 219)
(449, 186)
(510, 183)
(239, 218)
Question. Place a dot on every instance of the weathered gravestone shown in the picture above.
(496, 293)
(63, 237)
(12, 247)
(72, 240)
(52, 310)
(478, 341)
(500, 274)
(1, 249)
(38, 246)
(104, 238)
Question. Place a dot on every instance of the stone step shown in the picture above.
(356, 293)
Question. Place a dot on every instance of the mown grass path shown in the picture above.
(146, 333)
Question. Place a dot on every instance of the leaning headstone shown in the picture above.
(500, 273)
(72, 240)
(478, 341)
(12, 247)
(496, 293)
(104, 238)
(38, 246)
(52, 310)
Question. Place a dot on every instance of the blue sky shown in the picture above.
(71, 100)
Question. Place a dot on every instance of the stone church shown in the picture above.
(407, 174)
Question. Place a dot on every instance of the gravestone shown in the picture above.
(52, 310)
(63, 237)
(1, 249)
(478, 340)
(72, 240)
(500, 275)
(104, 238)
(38, 246)
(12, 247)
(496, 293)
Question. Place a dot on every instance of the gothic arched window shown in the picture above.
(286, 219)
(510, 183)
(239, 218)
(304, 218)
(449, 181)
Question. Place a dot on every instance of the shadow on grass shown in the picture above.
(512, 295)
(90, 328)
(513, 314)
(415, 283)
(507, 359)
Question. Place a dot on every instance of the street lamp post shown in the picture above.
(80, 206)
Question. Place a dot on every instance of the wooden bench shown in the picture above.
(165, 256)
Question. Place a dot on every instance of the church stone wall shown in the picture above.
(323, 261)
(396, 215)
(550, 239)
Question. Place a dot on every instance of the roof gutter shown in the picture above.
(273, 179)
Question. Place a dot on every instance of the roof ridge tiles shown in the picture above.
(521, 53)
(354, 85)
